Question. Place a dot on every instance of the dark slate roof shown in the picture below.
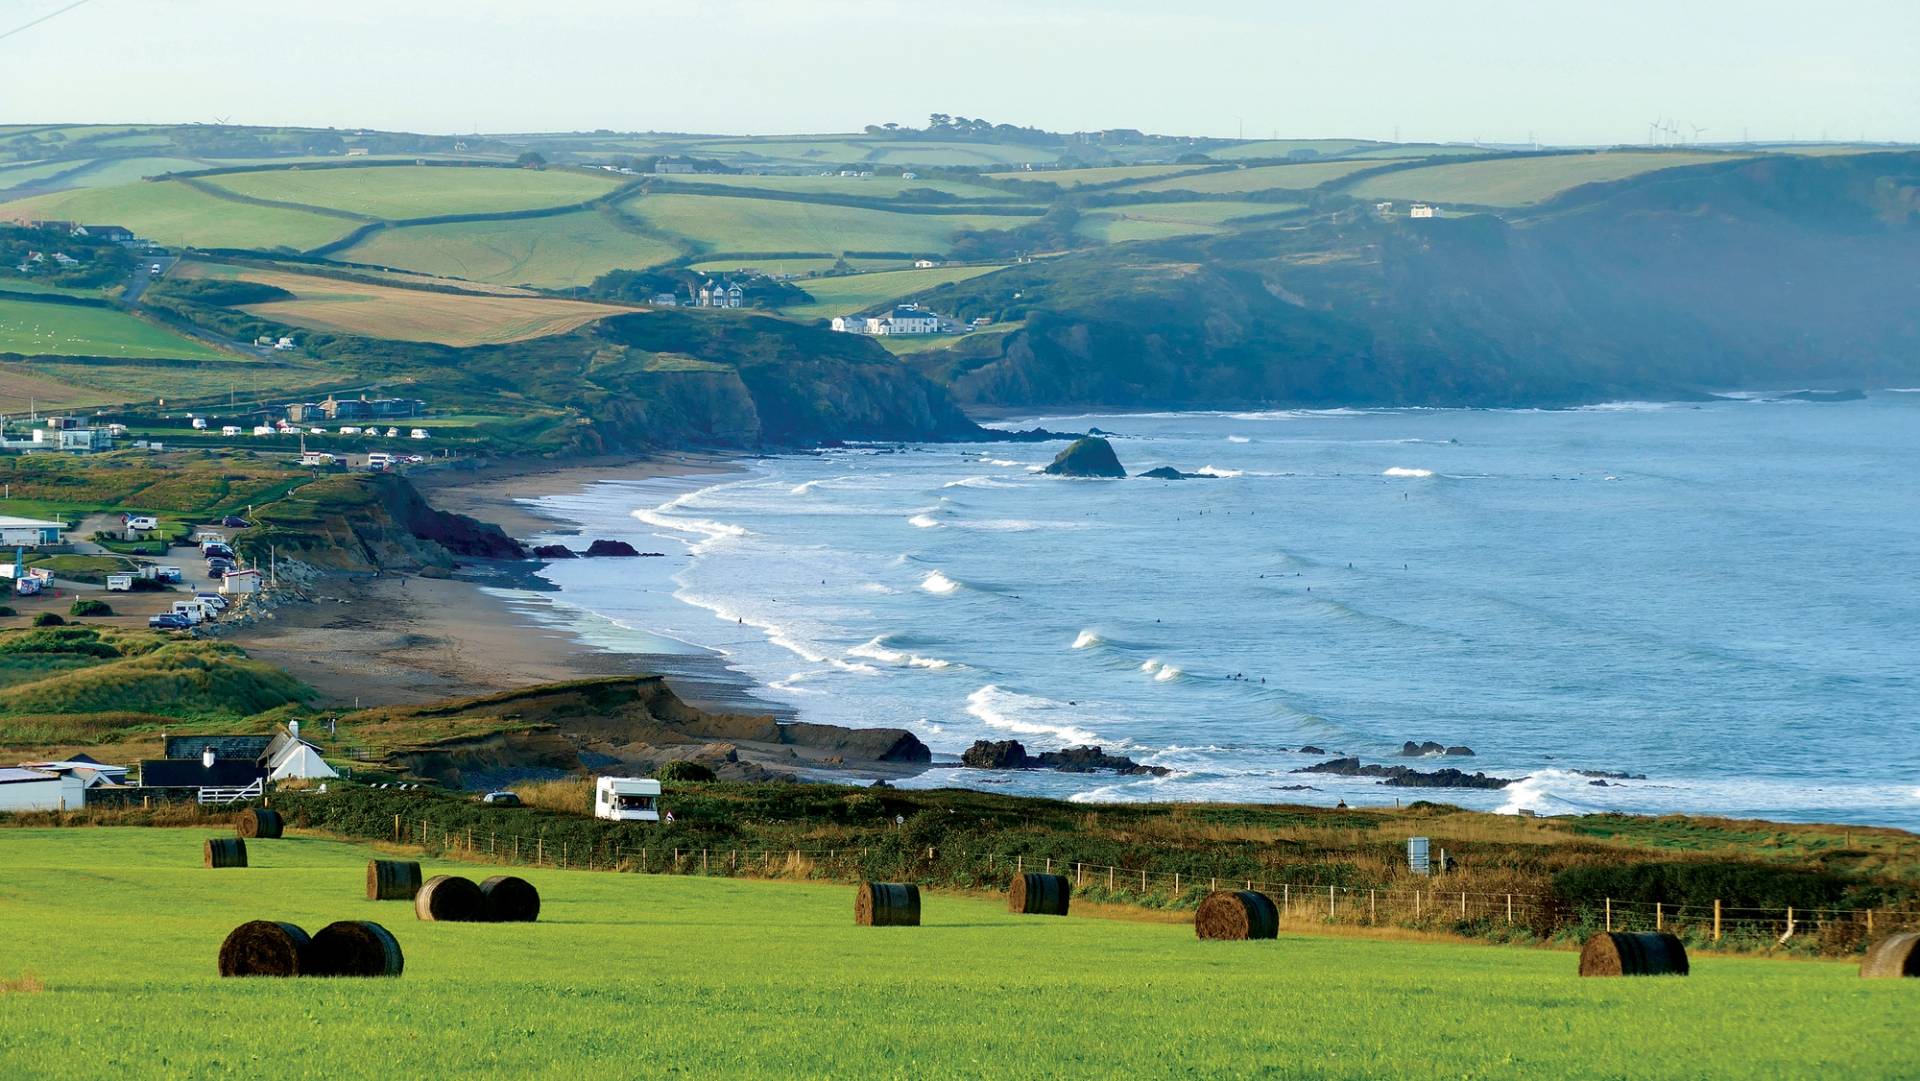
(189, 773)
(248, 748)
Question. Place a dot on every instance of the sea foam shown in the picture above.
(1401, 471)
(939, 583)
(1027, 714)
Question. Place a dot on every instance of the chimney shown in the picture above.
(206, 758)
(293, 729)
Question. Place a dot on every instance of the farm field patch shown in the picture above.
(853, 292)
(407, 191)
(714, 977)
(1260, 178)
(1280, 148)
(872, 187)
(564, 250)
(1152, 221)
(736, 224)
(175, 214)
(32, 328)
(378, 311)
(1520, 181)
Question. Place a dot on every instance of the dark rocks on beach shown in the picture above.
(1406, 776)
(554, 551)
(1311, 749)
(1611, 774)
(1460, 750)
(1088, 457)
(1167, 472)
(611, 548)
(1010, 754)
(1410, 749)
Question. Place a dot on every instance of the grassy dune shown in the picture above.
(734, 224)
(73, 331)
(410, 314)
(853, 292)
(567, 250)
(175, 214)
(401, 191)
(1520, 181)
(630, 975)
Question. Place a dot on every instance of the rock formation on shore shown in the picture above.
(1406, 776)
(1090, 456)
(1010, 754)
(1410, 749)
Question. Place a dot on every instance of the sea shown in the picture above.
(1719, 599)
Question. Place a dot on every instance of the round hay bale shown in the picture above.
(1618, 953)
(1893, 956)
(392, 880)
(1237, 914)
(266, 948)
(226, 852)
(1039, 895)
(259, 822)
(509, 900)
(449, 898)
(356, 948)
(886, 904)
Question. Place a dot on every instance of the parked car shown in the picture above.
(168, 622)
(234, 521)
(502, 799)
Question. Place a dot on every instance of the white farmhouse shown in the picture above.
(1423, 210)
(40, 790)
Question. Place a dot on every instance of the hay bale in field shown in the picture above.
(449, 898)
(509, 900)
(1618, 953)
(266, 948)
(392, 880)
(886, 904)
(259, 822)
(1893, 956)
(226, 852)
(1039, 895)
(1236, 915)
(356, 948)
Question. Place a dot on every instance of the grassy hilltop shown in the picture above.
(631, 975)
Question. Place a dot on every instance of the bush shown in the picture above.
(49, 619)
(90, 608)
(77, 641)
(7, 611)
(685, 771)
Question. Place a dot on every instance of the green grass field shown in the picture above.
(1261, 178)
(1520, 181)
(735, 224)
(1154, 221)
(872, 187)
(1113, 174)
(569, 249)
(1277, 148)
(175, 214)
(72, 331)
(404, 191)
(629, 975)
(853, 292)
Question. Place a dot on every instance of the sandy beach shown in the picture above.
(370, 641)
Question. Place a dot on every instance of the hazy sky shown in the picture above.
(1455, 70)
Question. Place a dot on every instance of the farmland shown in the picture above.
(32, 329)
(399, 192)
(1152, 221)
(1520, 181)
(850, 293)
(566, 250)
(736, 224)
(377, 311)
(1261, 178)
(868, 187)
(670, 975)
(175, 214)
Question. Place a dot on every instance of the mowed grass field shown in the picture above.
(68, 330)
(631, 975)
(564, 250)
(1521, 181)
(871, 187)
(725, 223)
(1153, 221)
(414, 315)
(853, 292)
(407, 191)
(175, 214)
(1260, 178)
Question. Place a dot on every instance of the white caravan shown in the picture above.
(626, 799)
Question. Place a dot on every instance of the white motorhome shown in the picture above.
(191, 611)
(626, 799)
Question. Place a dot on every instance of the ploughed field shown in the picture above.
(632, 975)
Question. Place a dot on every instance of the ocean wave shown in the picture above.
(939, 583)
(1402, 471)
(977, 482)
(1161, 671)
(1541, 792)
(778, 635)
(1005, 463)
(662, 517)
(1029, 715)
(879, 649)
(1088, 639)
(1296, 414)
(802, 489)
(1216, 471)
(1238, 439)
(1626, 407)
(923, 521)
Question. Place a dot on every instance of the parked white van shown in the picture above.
(626, 799)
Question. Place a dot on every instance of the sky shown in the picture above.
(1555, 71)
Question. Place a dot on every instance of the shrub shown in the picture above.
(5, 610)
(685, 771)
(49, 619)
(90, 608)
(76, 641)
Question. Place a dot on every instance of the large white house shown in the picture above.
(903, 319)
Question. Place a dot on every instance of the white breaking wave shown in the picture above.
(878, 650)
(1003, 463)
(779, 636)
(1216, 471)
(1167, 673)
(710, 531)
(802, 489)
(923, 521)
(1401, 471)
(1027, 714)
(938, 583)
(1088, 639)
(1238, 439)
(976, 482)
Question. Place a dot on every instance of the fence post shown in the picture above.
(1329, 902)
(1143, 880)
(1109, 878)
(1049, 864)
(539, 851)
(1286, 900)
(396, 829)
(1018, 861)
(1716, 919)
(1869, 923)
(1609, 914)
(1371, 911)
(1659, 917)
(1509, 909)
(1176, 883)
(1463, 904)
(1079, 875)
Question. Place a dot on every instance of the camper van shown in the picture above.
(379, 460)
(626, 799)
(191, 611)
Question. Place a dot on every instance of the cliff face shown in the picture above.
(372, 521)
(1670, 284)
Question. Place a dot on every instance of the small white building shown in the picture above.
(925, 264)
(40, 790)
(1422, 210)
(241, 583)
(199, 424)
(29, 532)
(229, 429)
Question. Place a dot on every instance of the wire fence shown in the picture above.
(1436, 907)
